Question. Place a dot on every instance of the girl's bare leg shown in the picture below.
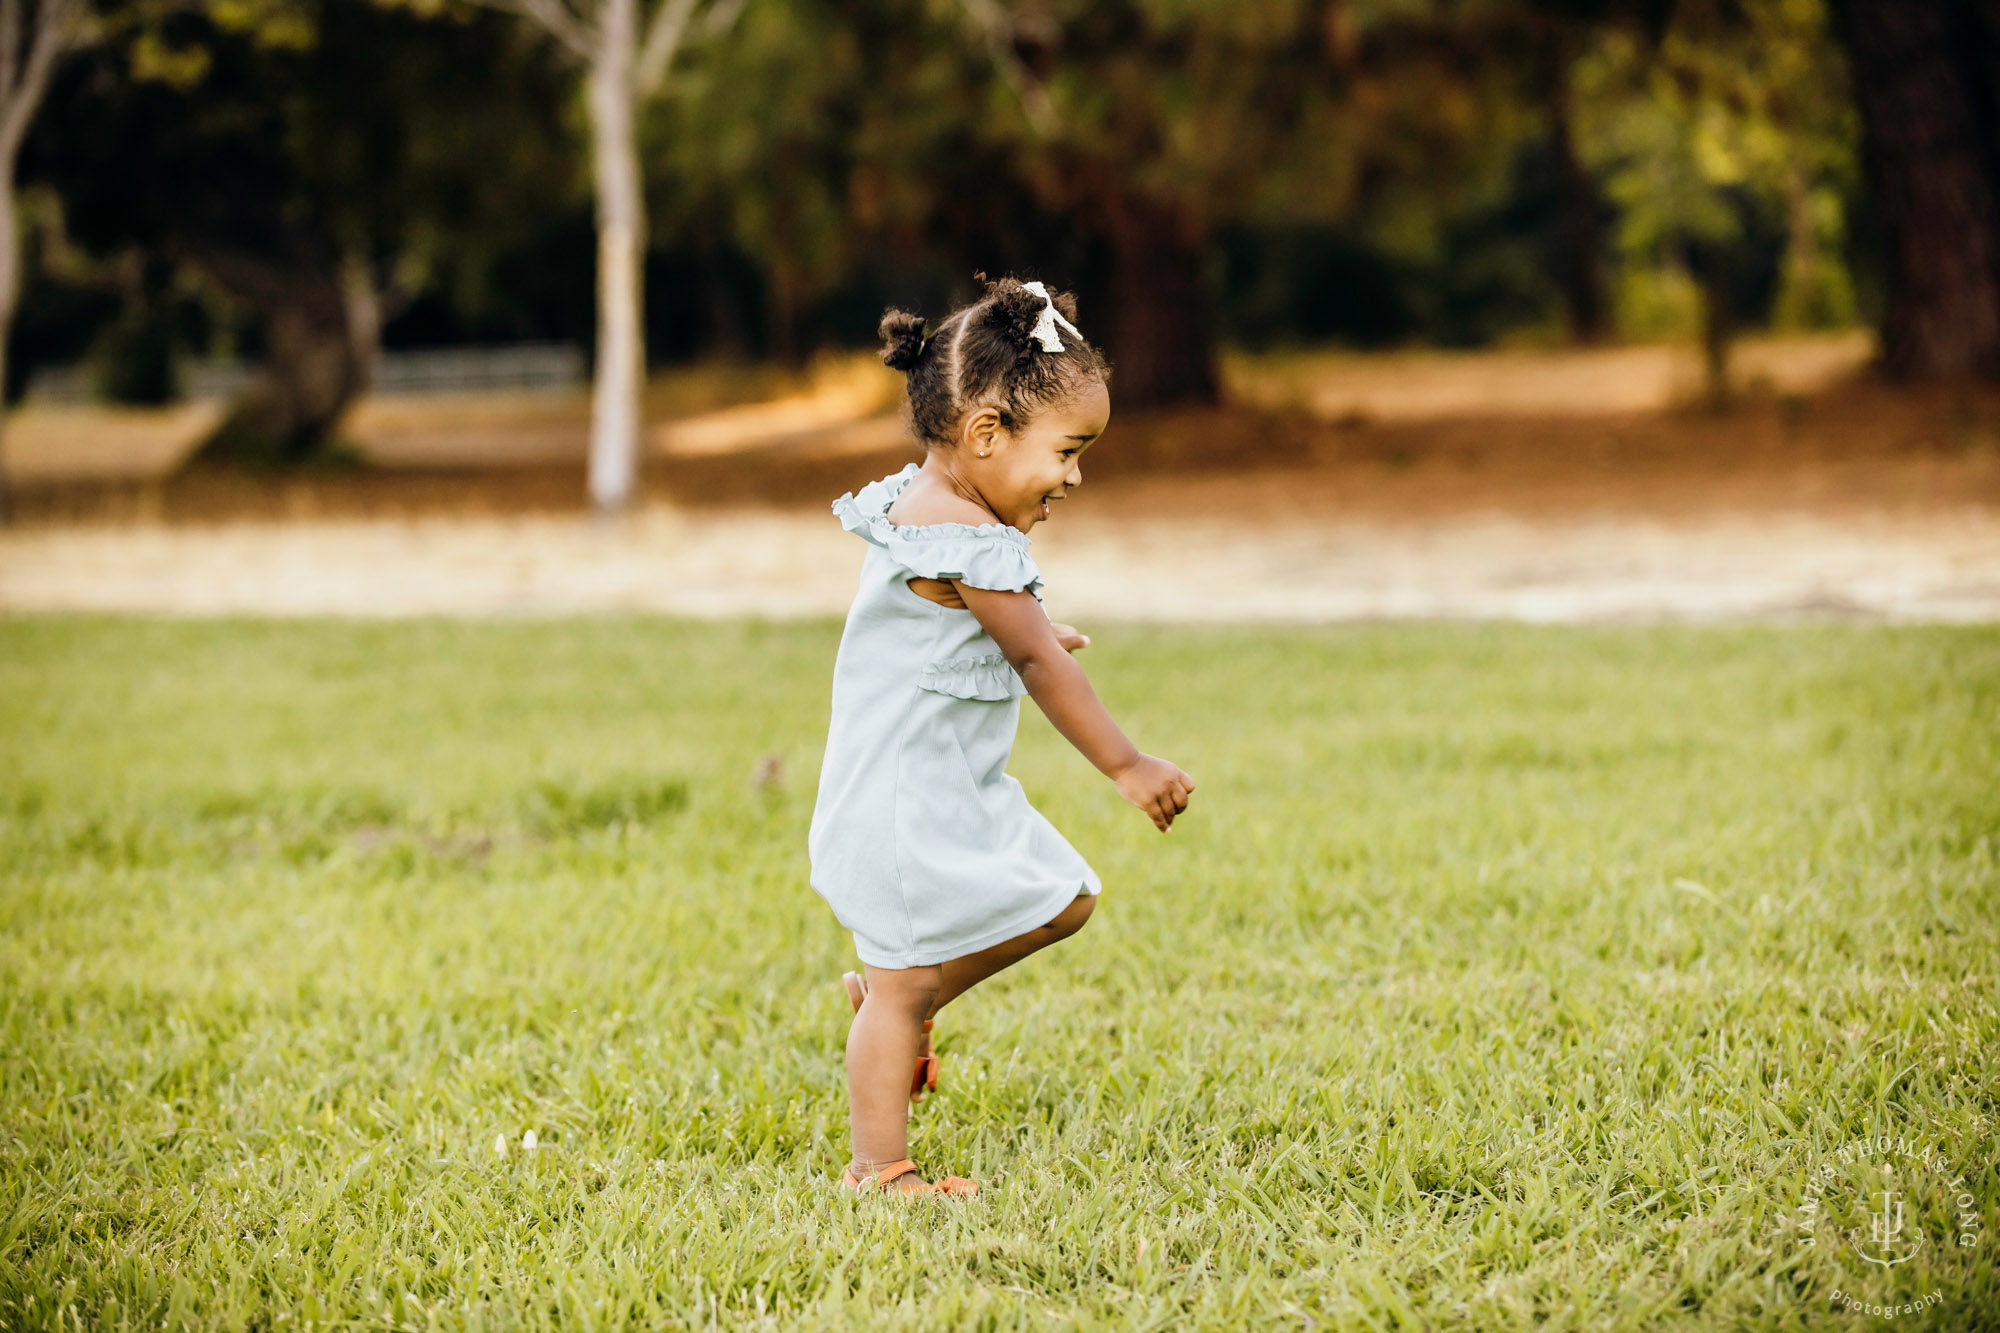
(881, 1050)
(888, 1032)
(962, 974)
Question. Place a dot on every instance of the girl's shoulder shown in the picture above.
(933, 515)
(987, 555)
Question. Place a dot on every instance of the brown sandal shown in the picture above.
(925, 1079)
(952, 1186)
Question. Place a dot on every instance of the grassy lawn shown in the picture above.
(1500, 978)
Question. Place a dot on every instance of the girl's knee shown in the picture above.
(911, 988)
(1070, 920)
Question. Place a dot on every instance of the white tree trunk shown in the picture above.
(10, 285)
(24, 77)
(621, 231)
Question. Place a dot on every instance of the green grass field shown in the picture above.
(1500, 978)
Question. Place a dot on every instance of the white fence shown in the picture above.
(419, 370)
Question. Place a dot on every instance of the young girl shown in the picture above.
(920, 842)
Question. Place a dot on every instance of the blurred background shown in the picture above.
(1548, 309)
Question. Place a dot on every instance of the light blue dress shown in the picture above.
(920, 842)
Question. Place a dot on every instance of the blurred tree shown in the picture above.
(1474, 211)
(625, 67)
(33, 33)
(1729, 130)
(1558, 30)
(1151, 120)
(956, 133)
(1155, 121)
(832, 134)
(1451, 165)
(1545, 40)
(315, 162)
(1922, 72)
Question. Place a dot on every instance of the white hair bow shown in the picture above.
(1044, 331)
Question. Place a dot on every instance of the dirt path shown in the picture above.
(1939, 564)
(1856, 501)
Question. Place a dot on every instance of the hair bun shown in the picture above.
(902, 335)
(1016, 311)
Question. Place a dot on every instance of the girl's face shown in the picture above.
(1030, 467)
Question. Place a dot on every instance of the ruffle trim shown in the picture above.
(989, 678)
(993, 556)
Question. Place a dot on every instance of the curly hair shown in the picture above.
(984, 355)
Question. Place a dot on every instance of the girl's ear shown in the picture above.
(982, 431)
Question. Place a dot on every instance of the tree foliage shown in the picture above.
(1723, 124)
(1455, 170)
(305, 166)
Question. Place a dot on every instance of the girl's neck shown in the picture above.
(943, 494)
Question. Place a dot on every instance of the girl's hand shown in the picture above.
(1157, 787)
(1067, 636)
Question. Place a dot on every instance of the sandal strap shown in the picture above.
(882, 1176)
(952, 1185)
(894, 1171)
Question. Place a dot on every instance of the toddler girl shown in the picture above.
(920, 842)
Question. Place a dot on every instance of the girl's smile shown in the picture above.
(1016, 475)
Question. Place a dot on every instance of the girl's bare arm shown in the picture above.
(1060, 688)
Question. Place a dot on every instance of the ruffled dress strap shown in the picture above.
(986, 555)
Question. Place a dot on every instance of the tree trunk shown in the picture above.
(310, 374)
(10, 290)
(1799, 303)
(1920, 85)
(24, 78)
(784, 312)
(1718, 328)
(363, 302)
(1581, 276)
(621, 230)
(1162, 344)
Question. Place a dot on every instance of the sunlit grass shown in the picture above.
(1501, 978)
